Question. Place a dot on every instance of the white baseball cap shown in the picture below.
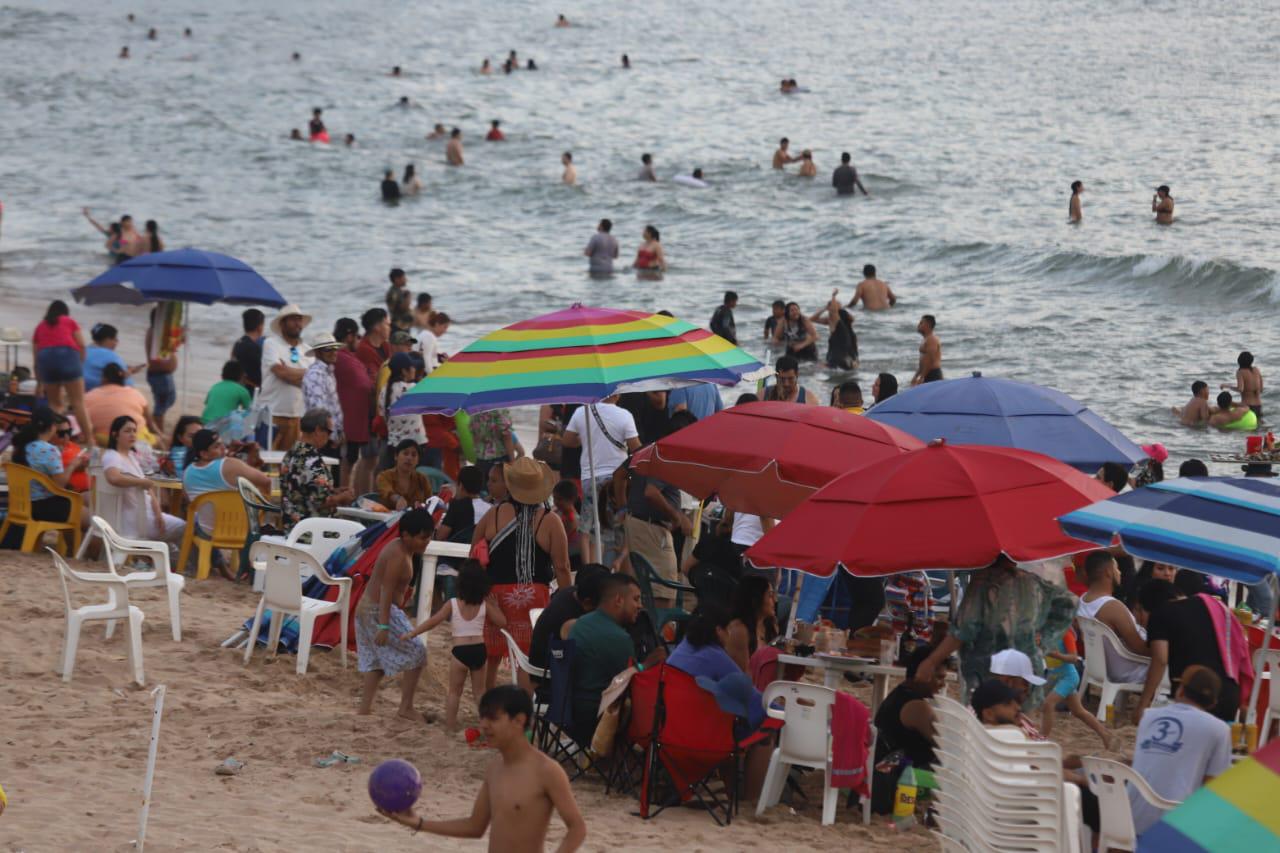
(1014, 663)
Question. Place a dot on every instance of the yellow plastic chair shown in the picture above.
(230, 530)
(20, 479)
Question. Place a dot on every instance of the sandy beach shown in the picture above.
(73, 757)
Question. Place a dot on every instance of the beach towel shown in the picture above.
(849, 726)
(1233, 645)
(763, 667)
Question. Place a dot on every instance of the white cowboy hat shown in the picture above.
(324, 340)
(290, 310)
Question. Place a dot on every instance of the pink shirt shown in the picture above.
(60, 335)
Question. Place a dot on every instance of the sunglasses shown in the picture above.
(64, 433)
(293, 355)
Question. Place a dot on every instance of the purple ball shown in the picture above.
(394, 785)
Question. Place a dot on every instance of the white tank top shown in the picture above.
(463, 627)
(1118, 668)
(1089, 609)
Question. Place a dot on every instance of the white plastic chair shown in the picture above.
(805, 740)
(324, 536)
(1107, 780)
(1262, 659)
(282, 593)
(117, 606)
(519, 660)
(1097, 636)
(108, 506)
(119, 548)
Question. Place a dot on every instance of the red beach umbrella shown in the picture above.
(955, 507)
(766, 458)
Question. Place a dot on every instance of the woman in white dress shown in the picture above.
(140, 513)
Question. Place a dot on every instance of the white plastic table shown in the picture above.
(275, 457)
(835, 666)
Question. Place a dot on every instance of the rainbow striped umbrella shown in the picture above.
(1236, 811)
(579, 355)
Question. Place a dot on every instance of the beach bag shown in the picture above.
(549, 451)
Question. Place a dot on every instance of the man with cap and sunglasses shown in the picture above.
(284, 363)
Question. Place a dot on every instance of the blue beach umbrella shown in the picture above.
(1228, 526)
(1005, 413)
(183, 275)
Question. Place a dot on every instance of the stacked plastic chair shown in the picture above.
(999, 792)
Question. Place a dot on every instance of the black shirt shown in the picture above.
(390, 190)
(562, 607)
(892, 735)
(1186, 626)
(723, 324)
(844, 178)
(248, 352)
(842, 347)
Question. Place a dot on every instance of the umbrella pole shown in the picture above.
(591, 484)
(186, 358)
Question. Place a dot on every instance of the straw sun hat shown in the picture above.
(528, 480)
(290, 310)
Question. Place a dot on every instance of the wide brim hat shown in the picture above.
(290, 310)
(324, 340)
(528, 480)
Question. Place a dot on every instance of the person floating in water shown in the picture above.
(1073, 209)
(1197, 411)
(297, 57)
(570, 175)
(350, 140)
(390, 189)
(1162, 205)
(562, 22)
(453, 151)
(296, 134)
(1232, 415)
(646, 168)
(495, 132)
(124, 52)
(404, 102)
(319, 133)
(845, 177)
(781, 157)
(437, 132)
(626, 62)
(531, 65)
(930, 367)
(486, 67)
(395, 71)
(186, 32)
(151, 34)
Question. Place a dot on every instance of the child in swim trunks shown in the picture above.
(1063, 684)
(384, 644)
(466, 615)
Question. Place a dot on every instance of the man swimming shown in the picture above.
(453, 151)
(845, 177)
(780, 157)
(874, 294)
(437, 132)
(1162, 205)
(930, 367)
(1232, 415)
(1073, 209)
(1197, 410)
(646, 168)
(495, 133)
(562, 21)
(570, 175)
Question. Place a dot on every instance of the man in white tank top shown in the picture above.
(1099, 603)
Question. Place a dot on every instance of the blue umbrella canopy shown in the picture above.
(1228, 526)
(183, 275)
(1005, 413)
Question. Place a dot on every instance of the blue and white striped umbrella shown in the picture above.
(1228, 526)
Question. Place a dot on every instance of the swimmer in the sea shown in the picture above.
(186, 32)
(316, 127)
(1197, 411)
(453, 151)
(1248, 383)
(410, 184)
(697, 174)
(780, 157)
(124, 52)
(515, 62)
(390, 189)
(874, 294)
(130, 17)
(437, 132)
(807, 167)
(151, 34)
(1229, 412)
(403, 103)
(297, 57)
(296, 134)
(531, 65)
(1073, 209)
(562, 21)
(495, 132)
(395, 71)
(646, 168)
(485, 67)
(626, 62)
(350, 140)
(845, 177)
(1162, 205)
(570, 175)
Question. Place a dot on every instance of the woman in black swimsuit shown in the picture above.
(798, 333)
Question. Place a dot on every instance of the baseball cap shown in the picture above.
(1014, 663)
(1156, 452)
(400, 337)
(400, 361)
(991, 693)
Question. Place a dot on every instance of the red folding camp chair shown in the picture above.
(692, 738)
(631, 749)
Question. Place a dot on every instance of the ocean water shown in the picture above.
(967, 122)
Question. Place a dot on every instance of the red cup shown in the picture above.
(1253, 444)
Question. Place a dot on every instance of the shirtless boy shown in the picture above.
(874, 294)
(1248, 383)
(930, 367)
(781, 157)
(521, 786)
(453, 151)
(1198, 410)
(1228, 411)
(381, 624)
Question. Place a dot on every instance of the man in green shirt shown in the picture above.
(228, 395)
(602, 648)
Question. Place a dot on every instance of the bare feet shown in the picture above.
(417, 716)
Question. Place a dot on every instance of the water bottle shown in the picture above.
(904, 799)
(178, 459)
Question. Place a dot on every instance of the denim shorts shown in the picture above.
(163, 392)
(58, 364)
